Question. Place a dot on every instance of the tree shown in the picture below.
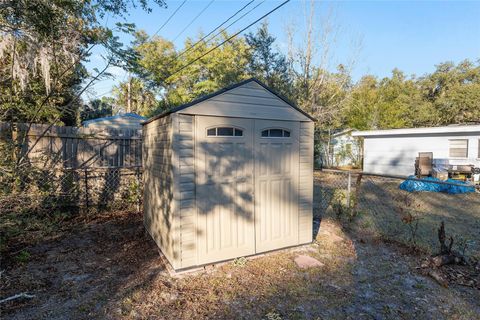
(97, 108)
(454, 91)
(134, 96)
(318, 90)
(268, 64)
(43, 44)
(450, 95)
(361, 112)
(179, 77)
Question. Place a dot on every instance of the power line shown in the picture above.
(213, 37)
(206, 36)
(223, 42)
(203, 38)
(228, 39)
(169, 18)
(193, 20)
(156, 32)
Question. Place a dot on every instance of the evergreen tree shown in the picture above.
(266, 63)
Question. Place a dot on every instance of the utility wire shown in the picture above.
(193, 20)
(228, 39)
(206, 36)
(173, 60)
(223, 42)
(169, 18)
(156, 32)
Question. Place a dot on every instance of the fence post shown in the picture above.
(86, 188)
(137, 175)
(349, 188)
(357, 192)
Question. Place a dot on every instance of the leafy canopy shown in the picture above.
(43, 45)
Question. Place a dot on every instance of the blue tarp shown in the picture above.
(428, 184)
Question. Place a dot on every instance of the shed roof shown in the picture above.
(454, 129)
(115, 117)
(225, 90)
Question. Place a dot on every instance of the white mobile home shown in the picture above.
(345, 149)
(228, 175)
(394, 151)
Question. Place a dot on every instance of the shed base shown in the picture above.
(210, 267)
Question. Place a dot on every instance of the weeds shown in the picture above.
(341, 206)
(273, 315)
(462, 244)
(29, 226)
(406, 206)
(23, 256)
(134, 193)
(412, 222)
(240, 262)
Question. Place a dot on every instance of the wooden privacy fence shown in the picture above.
(52, 166)
(74, 148)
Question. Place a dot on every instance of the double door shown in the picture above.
(246, 181)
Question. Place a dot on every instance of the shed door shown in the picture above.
(224, 167)
(276, 184)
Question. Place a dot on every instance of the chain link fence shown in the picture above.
(376, 205)
(44, 167)
(118, 188)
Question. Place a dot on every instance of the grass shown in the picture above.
(23, 256)
(382, 208)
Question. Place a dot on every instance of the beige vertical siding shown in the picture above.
(159, 204)
(184, 189)
(306, 183)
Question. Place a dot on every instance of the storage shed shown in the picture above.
(228, 175)
(119, 121)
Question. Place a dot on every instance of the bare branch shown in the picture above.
(23, 295)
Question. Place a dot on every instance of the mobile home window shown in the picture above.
(458, 148)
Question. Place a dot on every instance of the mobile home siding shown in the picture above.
(396, 154)
(125, 121)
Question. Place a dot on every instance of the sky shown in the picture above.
(378, 36)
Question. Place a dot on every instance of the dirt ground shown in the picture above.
(105, 266)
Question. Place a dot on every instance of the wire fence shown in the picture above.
(45, 166)
(376, 205)
(109, 187)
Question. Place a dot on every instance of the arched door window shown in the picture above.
(275, 133)
(224, 132)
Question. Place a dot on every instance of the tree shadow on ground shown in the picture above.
(109, 268)
(76, 274)
(360, 280)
